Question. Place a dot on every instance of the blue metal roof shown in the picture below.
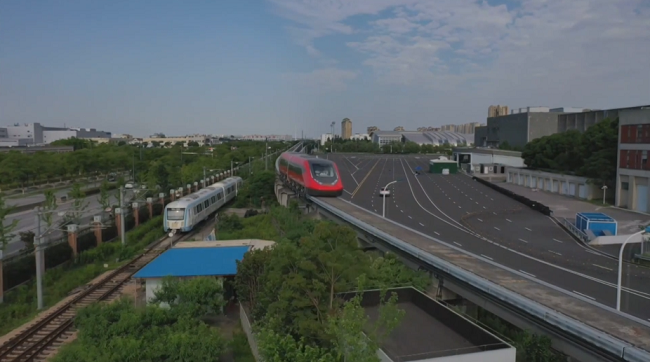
(596, 216)
(185, 262)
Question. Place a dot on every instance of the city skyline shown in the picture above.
(210, 68)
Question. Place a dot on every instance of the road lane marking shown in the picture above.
(523, 241)
(532, 275)
(487, 257)
(410, 217)
(602, 267)
(593, 252)
(364, 179)
(457, 244)
(584, 295)
(497, 228)
(479, 220)
(528, 229)
(494, 212)
(559, 241)
(421, 224)
(401, 211)
(437, 233)
(555, 252)
(508, 220)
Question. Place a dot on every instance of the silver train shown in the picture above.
(183, 214)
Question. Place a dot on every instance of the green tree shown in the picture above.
(194, 298)
(599, 145)
(6, 228)
(249, 273)
(534, 348)
(27, 237)
(280, 347)
(79, 204)
(49, 207)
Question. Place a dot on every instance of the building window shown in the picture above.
(625, 185)
(644, 158)
(639, 133)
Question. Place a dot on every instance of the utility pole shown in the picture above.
(38, 241)
(266, 156)
(204, 182)
(122, 219)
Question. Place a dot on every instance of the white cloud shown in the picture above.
(591, 53)
(327, 79)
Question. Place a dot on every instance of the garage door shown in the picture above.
(642, 198)
(565, 188)
(582, 191)
(556, 186)
(533, 182)
(548, 185)
(572, 189)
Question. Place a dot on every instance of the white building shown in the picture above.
(476, 159)
(36, 134)
(633, 170)
(360, 137)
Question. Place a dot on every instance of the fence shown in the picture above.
(530, 203)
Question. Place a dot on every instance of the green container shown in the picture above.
(436, 166)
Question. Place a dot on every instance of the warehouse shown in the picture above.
(568, 185)
(475, 159)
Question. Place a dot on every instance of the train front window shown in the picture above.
(323, 172)
(175, 214)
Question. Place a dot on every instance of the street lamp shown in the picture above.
(232, 164)
(383, 210)
(604, 188)
(646, 236)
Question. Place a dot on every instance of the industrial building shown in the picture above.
(633, 171)
(431, 331)
(580, 120)
(517, 129)
(484, 160)
(346, 129)
(421, 138)
(30, 134)
(568, 185)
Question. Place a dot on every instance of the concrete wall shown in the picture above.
(512, 128)
(248, 329)
(3, 132)
(480, 136)
(502, 355)
(15, 142)
(541, 124)
(567, 185)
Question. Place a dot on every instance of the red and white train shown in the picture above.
(309, 175)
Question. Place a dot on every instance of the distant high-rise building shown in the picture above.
(497, 111)
(399, 129)
(346, 129)
(372, 129)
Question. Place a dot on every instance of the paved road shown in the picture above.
(27, 219)
(38, 197)
(468, 215)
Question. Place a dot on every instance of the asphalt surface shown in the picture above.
(27, 219)
(33, 198)
(468, 215)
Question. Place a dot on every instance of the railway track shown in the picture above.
(38, 341)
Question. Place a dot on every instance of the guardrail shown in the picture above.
(576, 328)
(574, 230)
(530, 203)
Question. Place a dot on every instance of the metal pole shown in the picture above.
(122, 226)
(383, 210)
(266, 156)
(231, 167)
(620, 270)
(39, 255)
(204, 183)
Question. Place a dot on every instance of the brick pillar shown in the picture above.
(161, 196)
(150, 207)
(118, 221)
(172, 196)
(97, 223)
(196, 186)
(72, 238)
(189, 189)
(136, 213)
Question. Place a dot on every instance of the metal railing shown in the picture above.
(577, 329)
(574, 230)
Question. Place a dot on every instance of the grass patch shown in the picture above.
(241, 350)
(20, 305)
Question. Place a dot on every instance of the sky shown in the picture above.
(292, 66)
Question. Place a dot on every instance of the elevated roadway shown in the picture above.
(472, 219)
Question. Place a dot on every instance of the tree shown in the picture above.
(27, 237)
(279, 347)
(104, 198)
(249, 273)
(599, 145)
(79, 204)
(193, 298)
(6, 229)
(49, 206)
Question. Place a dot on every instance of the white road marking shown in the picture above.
(602, 267)
(532, 275)
(593, 252)
(479, 220)
(523, 241)
(528, 229)
(555, 252)
(494, 212)
(508, 220)
(457, 244)
(497, 228)
(487, 257)
(401, 211)
(437, 233)
(410, 217)
(584, 295)
(459, 206)
(559, 241)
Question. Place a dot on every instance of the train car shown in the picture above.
(309, 175)
(183, 214)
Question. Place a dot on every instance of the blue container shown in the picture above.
(599, 223)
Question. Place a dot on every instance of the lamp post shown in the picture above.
(645, 232)
(604, 188)
(383, 210)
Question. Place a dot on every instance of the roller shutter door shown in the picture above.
(642, 198)
(572, 189)
(548, 185)
(582, 191)
(565, 188)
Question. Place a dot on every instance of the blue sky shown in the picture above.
(282, 66)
